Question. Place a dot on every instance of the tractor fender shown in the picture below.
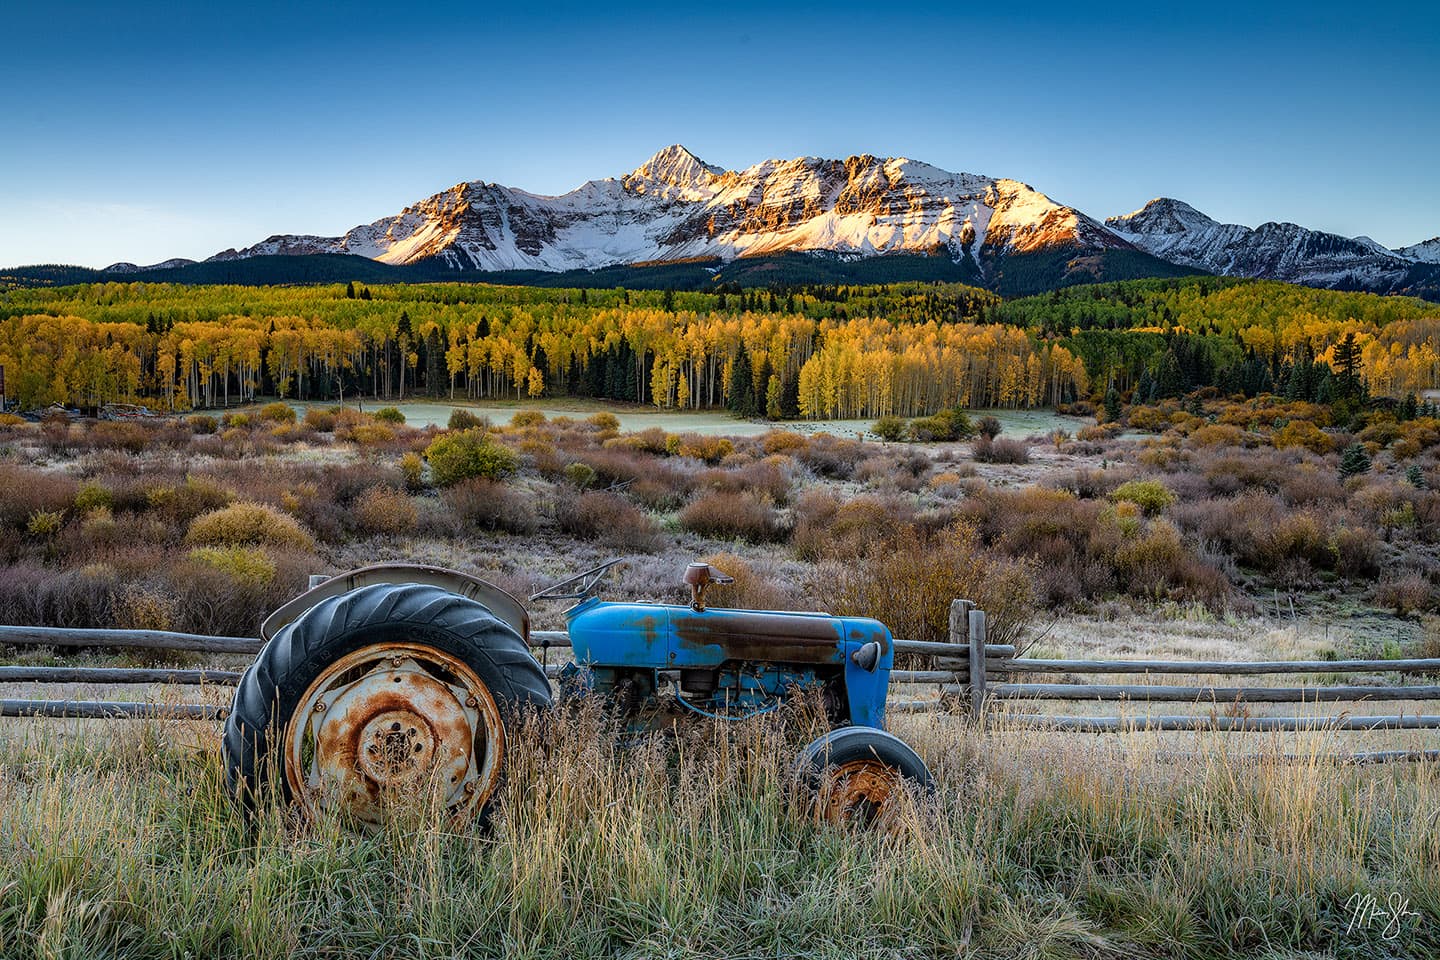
(505, 607)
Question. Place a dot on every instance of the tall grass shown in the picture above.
(698, 844)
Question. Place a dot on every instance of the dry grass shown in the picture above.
(699, 844)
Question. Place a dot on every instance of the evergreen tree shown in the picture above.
(1112, 405)
(1354, 461)
(1416, 477)
(1348, 363)
(741, 399)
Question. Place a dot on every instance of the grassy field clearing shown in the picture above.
(634, 417)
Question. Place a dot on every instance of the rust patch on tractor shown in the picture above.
(756, 635)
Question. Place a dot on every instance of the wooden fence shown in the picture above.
(971, 675)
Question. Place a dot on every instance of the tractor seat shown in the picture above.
(702, 575)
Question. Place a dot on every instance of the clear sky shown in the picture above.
(146, 130)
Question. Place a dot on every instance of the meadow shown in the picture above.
(1177, 520)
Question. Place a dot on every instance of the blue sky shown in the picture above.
(145, 131)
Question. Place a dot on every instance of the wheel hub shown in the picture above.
(400, 724)
(859, 791)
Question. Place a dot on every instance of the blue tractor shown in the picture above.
(396, 677)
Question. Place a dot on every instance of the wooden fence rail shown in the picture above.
(966, 669)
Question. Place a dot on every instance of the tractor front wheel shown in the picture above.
(853, 775)
(392, 693)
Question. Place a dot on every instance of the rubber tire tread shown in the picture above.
(845, 744)
(271, 687)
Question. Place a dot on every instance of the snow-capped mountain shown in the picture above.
(1425, 252)
(1175, 231)
(674, 207)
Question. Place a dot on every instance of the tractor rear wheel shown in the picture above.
(392, 693)
(855, 774)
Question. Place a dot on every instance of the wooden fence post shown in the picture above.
(960, 624)
(977, 663)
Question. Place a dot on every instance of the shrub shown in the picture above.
(1001, 451)
(44, 523)
(461, 419)
(527, 418)
(598, 515)
(909, 586)
(783, 441)
(277, 412)
(203, 423)
(247, 565)
(707, 448)
(119, 435)
(889, 428)
(385, 510)
(988, 427)
(412, 468)
(370, 434)
(604, 421)
(830, 456)
(946, 425)
(320, 420)
(92, 495)
(489, 505)
(752, 590)
(469, 453)
(391, 415)
(1357, 552)
(580, 474)
(733, 516)
(827, 528)
(1405, 593)
(1151, 496)
(1303, 433)
(11, 420)
(247, 522)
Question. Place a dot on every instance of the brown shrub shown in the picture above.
(830, 456)
(753, 589)
(24, 490)
(763, 477)
(909, 587)
(1358, 552)
(385, 510)
(608, 518)
(733, 516)
(1001, 450)
(119, 435)
(827, 528)
(490, 505)
(1404, 593)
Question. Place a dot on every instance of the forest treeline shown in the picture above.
(906, 349)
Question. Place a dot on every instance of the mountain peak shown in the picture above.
(1427, 251)
(1162, 215)
(677, 168)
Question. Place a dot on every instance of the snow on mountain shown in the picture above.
(1427, 251)
(125, 267)
(676, 206)
(1175, 231)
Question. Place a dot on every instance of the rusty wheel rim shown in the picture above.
(859, 791)
(394, 725)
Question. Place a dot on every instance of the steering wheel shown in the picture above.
(580, 586)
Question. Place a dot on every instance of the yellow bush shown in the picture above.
(248, 565)
(412, 467)
(248, 523)
(1151, 496)
(10, 420)
(277, 412)
(1303, 433)
(369, 434)
(783, 441)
